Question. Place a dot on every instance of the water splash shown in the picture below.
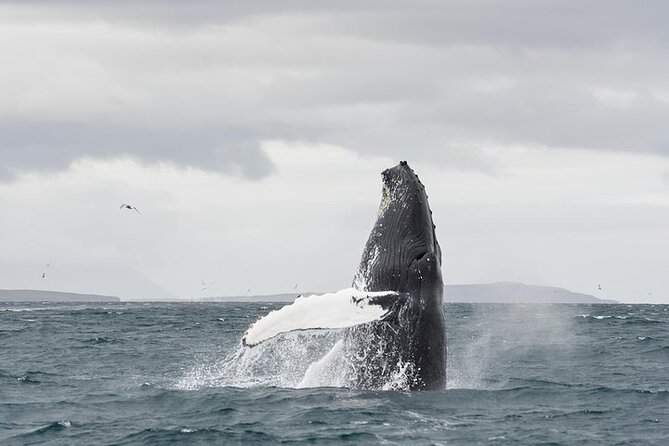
(329, 371)
(301, 359)
(365, 268)
(279, 362)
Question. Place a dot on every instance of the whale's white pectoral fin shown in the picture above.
(343, 309)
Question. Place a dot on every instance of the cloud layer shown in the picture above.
(204, 84)
(252, 134)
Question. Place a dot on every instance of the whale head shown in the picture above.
(403, 238)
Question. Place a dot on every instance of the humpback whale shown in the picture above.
(402, 254)
(393, 314)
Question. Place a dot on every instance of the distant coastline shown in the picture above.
(52, 296)
(514, 292)
(499, 292)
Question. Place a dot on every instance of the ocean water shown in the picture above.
(159, 373)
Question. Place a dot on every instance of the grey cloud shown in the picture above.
(405, 79)
(520, 23)
(49, 145)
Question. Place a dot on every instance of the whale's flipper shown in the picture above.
(343, 309)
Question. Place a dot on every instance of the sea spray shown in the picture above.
(279, 362)
(487, 336)
(314, 358)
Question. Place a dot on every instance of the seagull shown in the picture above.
(129, 206)
(205, 285)
(599, 287)
(44, 272)
(295, 287)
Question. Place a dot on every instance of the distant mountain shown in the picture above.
(513, 292)
(51, 296)
(99, 278)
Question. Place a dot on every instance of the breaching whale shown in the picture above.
(393, 314)
(402, 254)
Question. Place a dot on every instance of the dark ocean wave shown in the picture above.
(148, 374)
(620, 319)
(36, 377)
(41, 435)
(101, 340)
(183, 435)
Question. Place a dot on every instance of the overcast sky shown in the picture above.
(251, 136)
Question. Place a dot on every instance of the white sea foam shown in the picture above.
(21, 310)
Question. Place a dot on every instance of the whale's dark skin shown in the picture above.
(402, 254)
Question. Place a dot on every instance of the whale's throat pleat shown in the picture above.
(403, 234)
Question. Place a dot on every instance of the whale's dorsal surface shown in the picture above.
(394, 313)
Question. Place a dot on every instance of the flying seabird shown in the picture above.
(129, 206)
(44, 272)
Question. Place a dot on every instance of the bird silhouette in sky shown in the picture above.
(130, 207)
(44, 272)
